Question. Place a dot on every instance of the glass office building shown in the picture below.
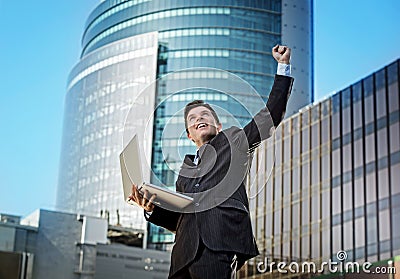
(335, 184)
(101, 89)
(235, 36)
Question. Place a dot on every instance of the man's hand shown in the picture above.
(281, 54)
(144, 201)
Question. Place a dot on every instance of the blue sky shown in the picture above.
(40, 43)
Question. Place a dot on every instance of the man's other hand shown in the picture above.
(281, 54)
(144, 201)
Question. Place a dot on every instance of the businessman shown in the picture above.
(215, 241)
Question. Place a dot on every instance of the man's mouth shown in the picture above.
(201, 125)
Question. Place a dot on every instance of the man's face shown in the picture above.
(202, 125)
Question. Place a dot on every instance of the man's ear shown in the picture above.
(219, 127)
(189, 136)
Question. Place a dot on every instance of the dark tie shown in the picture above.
(196, 158)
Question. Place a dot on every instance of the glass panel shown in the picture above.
(296, 215)
(347, 197)
(348, 236)
(305, 248)
(296, 180)
(384, 225)
(305, 213)
(393, 88)
(336, 163)
(346, 117)
(357, 92)
(357, 115)
(277, 222)
(325, 242)
(347, 162)
(315, 245)
(305, 139)
(315, 206)
(268, 194)
(394, 178)
(277, 244)
(335, 116)
(383, 183)
(380, 87)
(358, 153)
(368, 86)
(360, 232)
(395, 220)
(369, 148)
(287, 152)
(368, 109)
(370, 186)
(325, 130)
(295, 249)
(325, 201)
(315, 135)
(268, 225)
(325, 169)
(315, 167)
(359, 192)
(286, 219)
(394, 137)
(336, 201)
(337, 239)
(371, 225)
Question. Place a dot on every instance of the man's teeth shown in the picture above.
(201, 125)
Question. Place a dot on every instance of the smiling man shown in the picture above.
(201, 121)
(216, 238)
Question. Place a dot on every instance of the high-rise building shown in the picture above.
(128, 43)
(101, 89)
(334, 186)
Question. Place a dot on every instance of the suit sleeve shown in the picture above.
(279, 97)
(164, 218)
(259, 127)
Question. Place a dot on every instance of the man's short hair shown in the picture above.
(198, 103)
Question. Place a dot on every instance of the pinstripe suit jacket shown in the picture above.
(220, 215)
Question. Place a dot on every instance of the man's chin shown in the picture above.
(208, 136)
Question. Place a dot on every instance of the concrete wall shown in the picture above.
(55, 249)
(118, 261)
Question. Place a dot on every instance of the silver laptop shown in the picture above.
(131, 170)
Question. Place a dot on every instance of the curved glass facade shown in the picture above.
(101, 89)
(236, 36)
(245, 30)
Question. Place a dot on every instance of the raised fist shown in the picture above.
(281, 54)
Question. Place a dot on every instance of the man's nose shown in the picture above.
(199, 118)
